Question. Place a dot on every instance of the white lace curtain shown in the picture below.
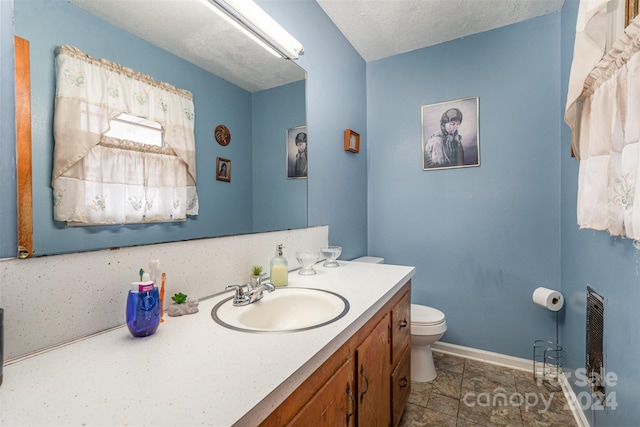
(104, 180)
(606, 133)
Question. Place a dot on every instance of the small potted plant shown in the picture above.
(256, 276)
(182, 305)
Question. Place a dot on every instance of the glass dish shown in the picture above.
(331, 253)
(306, 259)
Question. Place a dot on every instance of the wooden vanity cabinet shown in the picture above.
(365, 383)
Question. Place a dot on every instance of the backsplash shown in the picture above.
(51, 300)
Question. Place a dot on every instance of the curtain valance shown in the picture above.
(588, 49)
(89, 94)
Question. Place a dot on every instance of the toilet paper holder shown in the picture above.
(548, 359)
(548, 356)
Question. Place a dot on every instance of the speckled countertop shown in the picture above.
(192, 371)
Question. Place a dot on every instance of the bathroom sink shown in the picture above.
(283, 310)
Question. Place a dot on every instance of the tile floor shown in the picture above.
(469, 393)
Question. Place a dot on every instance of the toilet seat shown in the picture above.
(422, 315)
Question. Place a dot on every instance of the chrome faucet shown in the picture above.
(252, 294)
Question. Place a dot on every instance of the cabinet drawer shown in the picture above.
(400, 326)
(401, 385)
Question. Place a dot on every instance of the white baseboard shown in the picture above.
(512, 363)
(572, 401)
(484, 356)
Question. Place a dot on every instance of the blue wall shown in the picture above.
(609, 265)
(336, 100)
(481, 238)
(279, 203)
(8, 219)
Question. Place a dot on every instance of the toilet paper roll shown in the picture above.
(548, 298)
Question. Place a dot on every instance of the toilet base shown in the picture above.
(422, 367)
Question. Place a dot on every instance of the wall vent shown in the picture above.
(595, 347)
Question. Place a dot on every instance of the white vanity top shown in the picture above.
(192, 371)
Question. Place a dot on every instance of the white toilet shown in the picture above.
(427, 326)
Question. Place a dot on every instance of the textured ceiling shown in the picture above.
(376, 28)
(192, 31)
(381, 28)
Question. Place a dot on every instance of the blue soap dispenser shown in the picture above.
(143, 307)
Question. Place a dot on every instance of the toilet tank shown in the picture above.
(370, 260)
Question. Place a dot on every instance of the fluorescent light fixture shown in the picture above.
(250, 18)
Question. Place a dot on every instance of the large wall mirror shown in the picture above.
(234, 83)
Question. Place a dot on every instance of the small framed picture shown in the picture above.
(223, 169)
(351, 141)
(297, 152)
(450, 137)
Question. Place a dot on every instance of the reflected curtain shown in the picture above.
(104, 180)
(608, 140)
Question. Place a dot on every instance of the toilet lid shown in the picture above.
(423, 315)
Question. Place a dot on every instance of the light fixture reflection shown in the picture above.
(251, 19)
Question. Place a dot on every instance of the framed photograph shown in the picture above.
(450, 134)
(297, 152)
(223, 169)
(351, 141)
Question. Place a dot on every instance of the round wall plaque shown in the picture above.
(222, 134)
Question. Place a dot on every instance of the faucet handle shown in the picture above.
(255, 281)
(269, 287)
(240, 297)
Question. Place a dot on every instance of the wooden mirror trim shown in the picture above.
(631, 11)
(23, 147)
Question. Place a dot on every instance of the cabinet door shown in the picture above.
(401, 385)
(333, 405)
(400, 327)
(372, 371)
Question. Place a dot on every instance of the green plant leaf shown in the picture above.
(179, 298)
